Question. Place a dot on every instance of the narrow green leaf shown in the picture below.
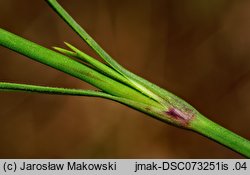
(137, 82)
(153, 91)
(165, 106)
(110, 72)
(145, 108)
(98, 65)
(69, 66)
(66, 52)
(177, 108)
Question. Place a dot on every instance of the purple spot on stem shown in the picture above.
(177, 114)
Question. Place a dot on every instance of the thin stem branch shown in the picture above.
(145, 108)
(71, 67)
(137, 82)
(221, 135)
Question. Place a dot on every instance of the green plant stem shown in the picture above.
(203, 125)
(137, 82)
(198, 123)
(16, 87)
(145, 108)
(222, 135)
(128, 88)
(97, 65)
(69, 66)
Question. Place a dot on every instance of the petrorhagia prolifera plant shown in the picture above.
(115, 83)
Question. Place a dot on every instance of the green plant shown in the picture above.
(115, 83)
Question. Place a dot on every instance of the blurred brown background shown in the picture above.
(198, 49)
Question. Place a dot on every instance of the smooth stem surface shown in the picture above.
(220, 134)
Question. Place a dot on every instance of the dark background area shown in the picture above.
(198, 49)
